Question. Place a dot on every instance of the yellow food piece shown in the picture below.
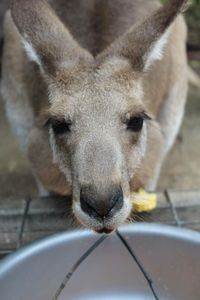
(143, 201)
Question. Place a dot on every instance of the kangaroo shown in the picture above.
(95, 93)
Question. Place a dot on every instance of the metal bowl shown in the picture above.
(170, 256)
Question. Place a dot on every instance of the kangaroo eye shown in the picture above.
(135, 124)
(59, 126)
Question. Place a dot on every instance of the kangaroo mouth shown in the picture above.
(105, 230)
(106, 225)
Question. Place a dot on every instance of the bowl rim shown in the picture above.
(27, 251)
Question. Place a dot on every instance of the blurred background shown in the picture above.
(182, 167)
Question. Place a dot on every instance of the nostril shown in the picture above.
(117, 200)
(87, 205)
(96, 206)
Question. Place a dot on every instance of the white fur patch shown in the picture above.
(31, 52)
(156, 50)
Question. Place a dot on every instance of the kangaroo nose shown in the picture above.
(101, 206)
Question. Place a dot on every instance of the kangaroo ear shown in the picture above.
(143, 43)
(46, 40)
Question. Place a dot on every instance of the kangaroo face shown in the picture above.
(98, 136)
(97, 120)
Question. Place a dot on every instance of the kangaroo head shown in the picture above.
(98, 124)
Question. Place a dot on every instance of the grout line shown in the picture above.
(130, 250)
(6, 251)
(21, 232)
(173, 209)
(76, 265)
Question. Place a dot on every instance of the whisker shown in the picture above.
(137, 261)
(76, 265)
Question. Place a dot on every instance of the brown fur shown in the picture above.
(91, 67)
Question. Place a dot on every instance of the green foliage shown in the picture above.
(193, 13)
